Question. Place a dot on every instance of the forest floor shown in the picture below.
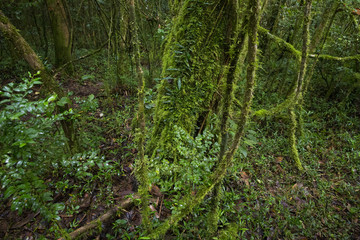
(264, 193)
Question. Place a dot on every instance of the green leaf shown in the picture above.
(46, 196)
(37, 82)
(243, 151)
(91, 97)
(10, 191)
(86, 77)
(16, 116)
(58, 206)
(250, 142)
(6, 94)
(4, 101)
(22, 144)
(6, 89)
(52, 98)
(63, 101)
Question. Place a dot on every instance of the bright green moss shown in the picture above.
(3, 19)
(292, 140)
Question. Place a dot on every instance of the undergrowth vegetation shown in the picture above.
(180, 120)
(263, 193)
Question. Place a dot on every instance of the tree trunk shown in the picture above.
(305, 48)
(192, 57)
(62, 33)
(142, 166)
(326, 20)
(297, 93)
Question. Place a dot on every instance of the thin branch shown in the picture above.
(83, 57)
(290, 48)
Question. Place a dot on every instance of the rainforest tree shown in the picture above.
(218, 119)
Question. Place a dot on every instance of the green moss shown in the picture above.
(341, 59)
(192, 57)
(3, 19)
(189, 202)
(281, 43)
(292, 140)
(290, 48)
(230, 232)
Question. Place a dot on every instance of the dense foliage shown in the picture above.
(182, 119)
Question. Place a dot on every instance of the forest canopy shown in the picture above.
(181, 119)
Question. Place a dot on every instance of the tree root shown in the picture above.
(103, 218)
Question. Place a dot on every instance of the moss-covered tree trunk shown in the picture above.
(325, 22)
(319, 38)
(305, 48)
(24, 50)
(235, 50)
(194, 52)
(62, 33)
(189, 202)
(271, 21)
(141, 164)
(299, 85)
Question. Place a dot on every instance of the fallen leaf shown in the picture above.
(155, 190)
(245, 178)
(4, 226)
(279, 159)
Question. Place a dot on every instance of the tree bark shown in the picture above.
(305, 48)
(62, 33)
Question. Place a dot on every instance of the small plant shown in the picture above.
(28, 146)
(192, 168)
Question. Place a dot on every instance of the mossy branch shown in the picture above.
(281, 42)
(235, 50)
(339, 59)
(142, 162)
(297, 54)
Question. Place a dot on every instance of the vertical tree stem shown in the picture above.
(142, 166)
(299, 85)
(305, 47)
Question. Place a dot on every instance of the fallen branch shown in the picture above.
(103, 218)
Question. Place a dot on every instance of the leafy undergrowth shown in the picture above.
(82, 185)
(267, 198)
(264, 196)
